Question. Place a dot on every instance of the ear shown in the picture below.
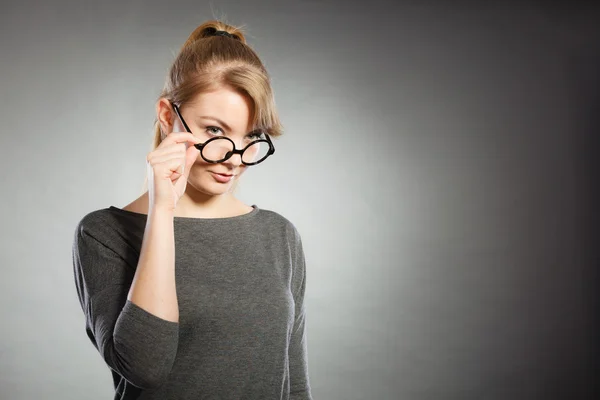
(165, 116)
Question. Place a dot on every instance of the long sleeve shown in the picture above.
(298, 351)
(137, 345)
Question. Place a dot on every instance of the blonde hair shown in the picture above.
(207, 62)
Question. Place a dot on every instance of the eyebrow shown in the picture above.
(217, 120)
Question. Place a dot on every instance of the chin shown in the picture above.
(209, 186)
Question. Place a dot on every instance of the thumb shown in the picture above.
(191, 155)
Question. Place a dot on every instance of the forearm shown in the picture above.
(153, 288)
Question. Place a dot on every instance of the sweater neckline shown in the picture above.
(250, 214)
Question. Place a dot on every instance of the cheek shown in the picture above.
(199, 167)
(200, 162)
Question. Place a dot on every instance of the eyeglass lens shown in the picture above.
(219, 149)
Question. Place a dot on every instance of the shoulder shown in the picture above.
(95, 223)
(108, 225)
(276, 222)
(275, 218)
(95, 217)
(105, 249)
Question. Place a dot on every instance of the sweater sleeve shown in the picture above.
(134, 343)
(297, 351)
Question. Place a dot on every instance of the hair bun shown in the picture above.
(210, 28)
(211, 31)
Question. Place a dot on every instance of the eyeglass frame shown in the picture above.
(229, 154)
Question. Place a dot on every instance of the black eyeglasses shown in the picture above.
(219, 149)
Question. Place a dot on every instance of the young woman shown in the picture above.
(188, 293)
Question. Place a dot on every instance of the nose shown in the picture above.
(234, 161)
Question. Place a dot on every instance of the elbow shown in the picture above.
(149, 379)
(143, 369)
(141, 347)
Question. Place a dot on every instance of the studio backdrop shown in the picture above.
(438, 160)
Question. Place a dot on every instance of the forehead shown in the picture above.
(225, 104)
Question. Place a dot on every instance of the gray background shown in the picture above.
(437, 160)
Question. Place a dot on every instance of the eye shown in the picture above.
(256, 135)
(213, 130)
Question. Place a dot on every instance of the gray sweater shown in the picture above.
(240, 287)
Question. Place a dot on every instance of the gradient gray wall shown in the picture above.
(438, 162)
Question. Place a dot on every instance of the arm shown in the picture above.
(153, 286)
(298, 351)
(136, 336)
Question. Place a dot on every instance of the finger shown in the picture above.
(168, 149)
(180, 137)
(171, 169)
(159, 161)
(176, 175)
(191, 156)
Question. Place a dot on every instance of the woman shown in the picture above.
(189, 293)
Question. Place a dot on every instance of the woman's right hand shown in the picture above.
(168, 167)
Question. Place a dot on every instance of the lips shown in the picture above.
(222, 178)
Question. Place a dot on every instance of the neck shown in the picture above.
(201, 205)
(194, 204)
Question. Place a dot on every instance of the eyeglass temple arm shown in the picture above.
(187, 128)
(272, 147)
